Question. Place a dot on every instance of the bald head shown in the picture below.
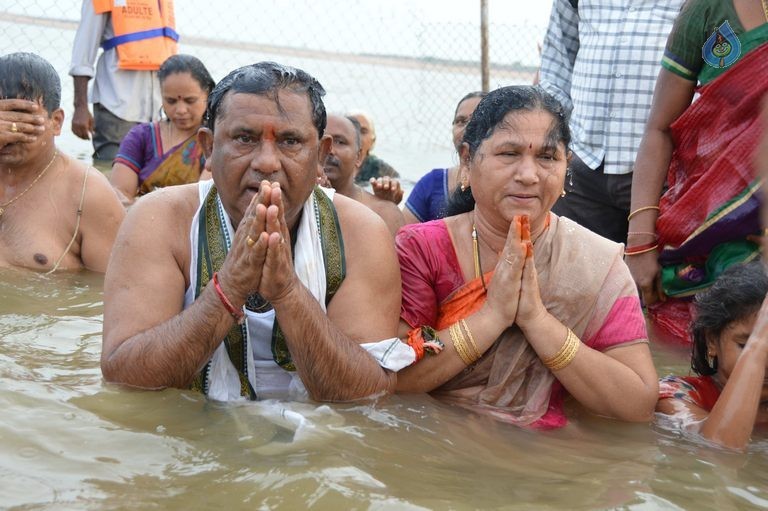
(367, 131)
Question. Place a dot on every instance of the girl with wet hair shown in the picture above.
(729, 393)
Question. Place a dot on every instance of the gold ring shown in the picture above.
(249, 241)
(282, 240)
(14, 128)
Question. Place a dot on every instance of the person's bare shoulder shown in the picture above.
(162, 217)
(388, 211)
(184, 199)
(169, 208)
(94, 196)
(357, 219)
(368, 241)
(72, 175)
(371, 288)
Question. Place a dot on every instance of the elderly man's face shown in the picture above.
(367, 133)
(345, 156)
(20, 154)
(255, 139)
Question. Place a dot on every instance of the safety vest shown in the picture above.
(145, 32)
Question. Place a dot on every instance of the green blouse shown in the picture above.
(697, 22)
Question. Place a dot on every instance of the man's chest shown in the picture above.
(37, 239)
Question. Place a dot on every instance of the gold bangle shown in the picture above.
(565, 355)
(458, 343)
(570, 354)
(638, 210)
(466, 355)
(472, 343)
(457, 338)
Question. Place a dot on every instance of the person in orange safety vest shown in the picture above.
(136, 36)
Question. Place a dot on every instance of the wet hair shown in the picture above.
(475, 94)
(29, 76)
(736, 294)
(358, 129)
(183, 63)
(490, 114)
(267, 78)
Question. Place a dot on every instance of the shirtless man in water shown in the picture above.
(55, 212)
(256, 284)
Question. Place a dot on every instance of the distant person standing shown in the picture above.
(709, 216)
(137, 36)
(372, 166)
(600, 59)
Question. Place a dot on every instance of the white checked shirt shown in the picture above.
(601, 61)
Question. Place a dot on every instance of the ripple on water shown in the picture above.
(69, 441)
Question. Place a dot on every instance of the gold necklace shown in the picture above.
(765, 9)
(3, 207)
(476, 251)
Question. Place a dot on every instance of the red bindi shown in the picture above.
(530, 146)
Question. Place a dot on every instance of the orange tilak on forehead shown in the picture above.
(268, 133)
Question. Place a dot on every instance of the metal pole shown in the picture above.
(485, 63)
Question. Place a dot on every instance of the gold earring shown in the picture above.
(562, 194)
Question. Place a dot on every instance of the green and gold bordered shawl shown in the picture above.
(213, 244)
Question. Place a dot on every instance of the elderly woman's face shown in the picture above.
(520, 168)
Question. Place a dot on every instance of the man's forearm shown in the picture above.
(173, 352)
(81, 91)
(332, 366)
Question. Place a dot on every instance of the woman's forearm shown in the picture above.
(648, 178)
(434, 370)
(622, 385)
(671, 97)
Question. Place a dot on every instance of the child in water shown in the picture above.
(729, 395)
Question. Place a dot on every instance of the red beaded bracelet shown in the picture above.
(235, 312)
